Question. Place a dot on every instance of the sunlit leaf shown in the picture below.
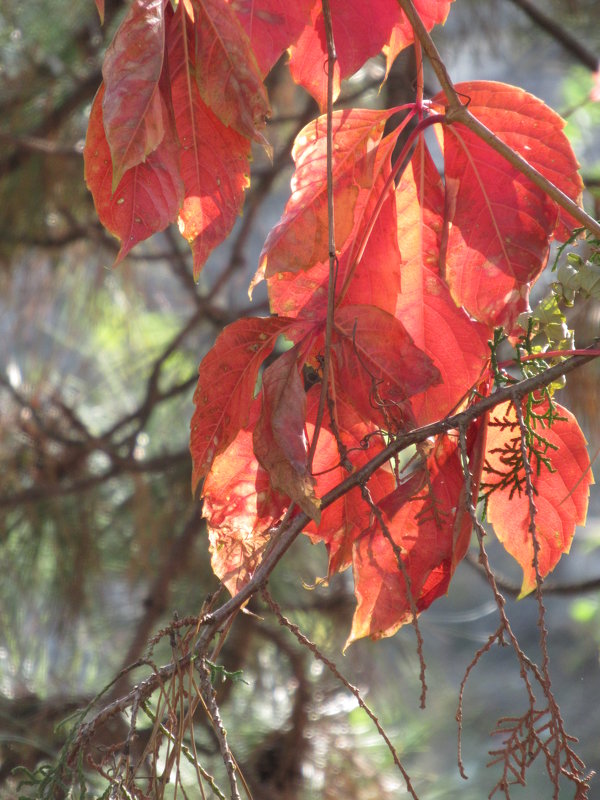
(239, 506)
(280, 440)
(213, 158)
(361, 29)
(374, 354)
(359, 275)
(499, 223)
(456, 344)
(226, 384)
(300, 240)
(100, 8)
(272, 26)
(147, 197)
(561, 488)
(360, 441)
(429, 536)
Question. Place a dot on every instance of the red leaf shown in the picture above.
(226, 383)
(230, 81)
(308, 59)
(432, 12)
(561, 496)
(373, 276)
(272, 26)
(431, 533)
(361, 29)
(374, 354)
(300, 240)
(279, 439)
(456, 344)
(148, 196)
(344, 520)
(213, 157)
(305, 293)
(239, 507)
(132, 107)
(494, 255)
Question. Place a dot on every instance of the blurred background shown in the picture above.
(100, 540)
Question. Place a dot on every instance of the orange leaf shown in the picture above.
(305, 293)
(272, 26)
(361, 29)
(100, 9)
(431, 533)
(374, 354)
(560, 496)
(595, 90)
(456, 344)
(344, 520)
(300, 239)
(239, 507)
(147, 197)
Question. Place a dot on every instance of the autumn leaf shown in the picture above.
(359, 441)
(226, 384)
(417, 552)
(272, 26)
(360, 278)
(280, 440)
(431, 12)
(299, 240)
(147, 197)
(456, 344)
(374, 354)
(561, 487)
(230, 81)
(499, 223)
(361, 30)
(595, 90)
(240, 507)
(213, 158)
(132, 107)
(100, 9)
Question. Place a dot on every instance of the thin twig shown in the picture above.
(409, 592)
(559, 33)
(306, 642)
(331, 59)
(210, 700)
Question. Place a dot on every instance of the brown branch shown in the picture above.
(569, 42)
(331, 666)
(454, 422)
(284, 536)
(513, 589)
(457, 112)
(157, 597)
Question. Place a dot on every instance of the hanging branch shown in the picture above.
(331, 59)
(306, 642)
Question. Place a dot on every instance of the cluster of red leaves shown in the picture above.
(426, 267)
